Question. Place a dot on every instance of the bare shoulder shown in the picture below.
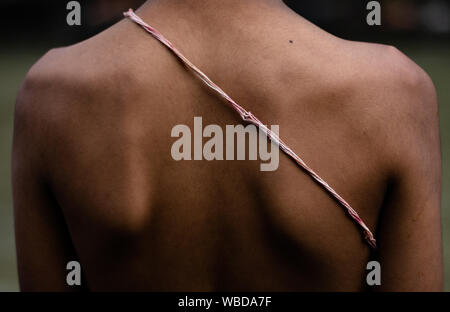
(49, 93)
(75, 91)
(58, 90)
(403, 85)
(68, 79)
(67, 71)
(108, 65)
(386, 103)
(398, 98)
(390, 86)
(41, 88)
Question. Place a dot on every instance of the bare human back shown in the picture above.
(94, 179)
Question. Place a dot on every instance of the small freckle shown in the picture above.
(290, 41)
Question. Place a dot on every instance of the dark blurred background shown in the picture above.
(420, 28)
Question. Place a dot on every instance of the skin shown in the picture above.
(94, 180)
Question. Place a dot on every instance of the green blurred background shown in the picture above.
(419, 28)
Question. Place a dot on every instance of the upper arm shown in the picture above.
(43, 243)
(409, 232)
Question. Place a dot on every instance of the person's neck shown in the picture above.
(230, 5)
(225, 10)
